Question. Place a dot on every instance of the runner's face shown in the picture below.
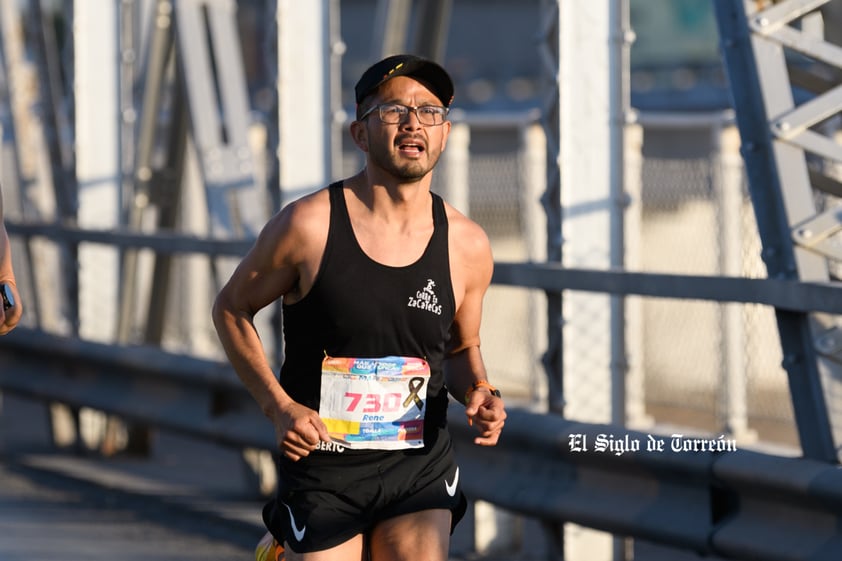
(407, 150)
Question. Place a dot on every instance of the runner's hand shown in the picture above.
(298, 430)
(487, 413)
(10, 317)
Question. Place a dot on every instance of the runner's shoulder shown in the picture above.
(309, 209)
(467, 238)
(300, 219)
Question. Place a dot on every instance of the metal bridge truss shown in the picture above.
(193, 87)
(785, 83)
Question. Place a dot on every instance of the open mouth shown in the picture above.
(411, 147)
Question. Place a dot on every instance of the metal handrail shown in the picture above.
(140, 383)
(779, 293)
(732, 503)
(783, 294)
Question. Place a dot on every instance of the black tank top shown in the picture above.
(360, 308)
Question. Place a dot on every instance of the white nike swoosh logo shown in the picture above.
(451, 487)
(299, 534)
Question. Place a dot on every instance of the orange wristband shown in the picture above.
(481, 384)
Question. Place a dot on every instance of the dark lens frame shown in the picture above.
(409, 109)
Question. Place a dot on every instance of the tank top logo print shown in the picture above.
(426, 299)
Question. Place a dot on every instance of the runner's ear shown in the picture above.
(359, 134)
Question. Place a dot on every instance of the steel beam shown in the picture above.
(548, 52)
(782, 197)
(309, 108)
(211, 60)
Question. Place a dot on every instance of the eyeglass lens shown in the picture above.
(427, 115)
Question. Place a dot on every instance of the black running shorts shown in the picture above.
(326, 499)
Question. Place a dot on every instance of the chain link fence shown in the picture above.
(689, 348)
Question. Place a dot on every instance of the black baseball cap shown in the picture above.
(433, 76)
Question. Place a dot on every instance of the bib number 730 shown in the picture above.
(373, 402)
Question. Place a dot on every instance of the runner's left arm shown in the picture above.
(464, 366)
(9, 317)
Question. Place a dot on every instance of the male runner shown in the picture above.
(382, 285)
(10, 308)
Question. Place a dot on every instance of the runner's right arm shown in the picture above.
(271, 269)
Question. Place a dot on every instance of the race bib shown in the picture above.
(375, 403)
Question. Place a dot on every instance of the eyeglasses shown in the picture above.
(394, 113)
